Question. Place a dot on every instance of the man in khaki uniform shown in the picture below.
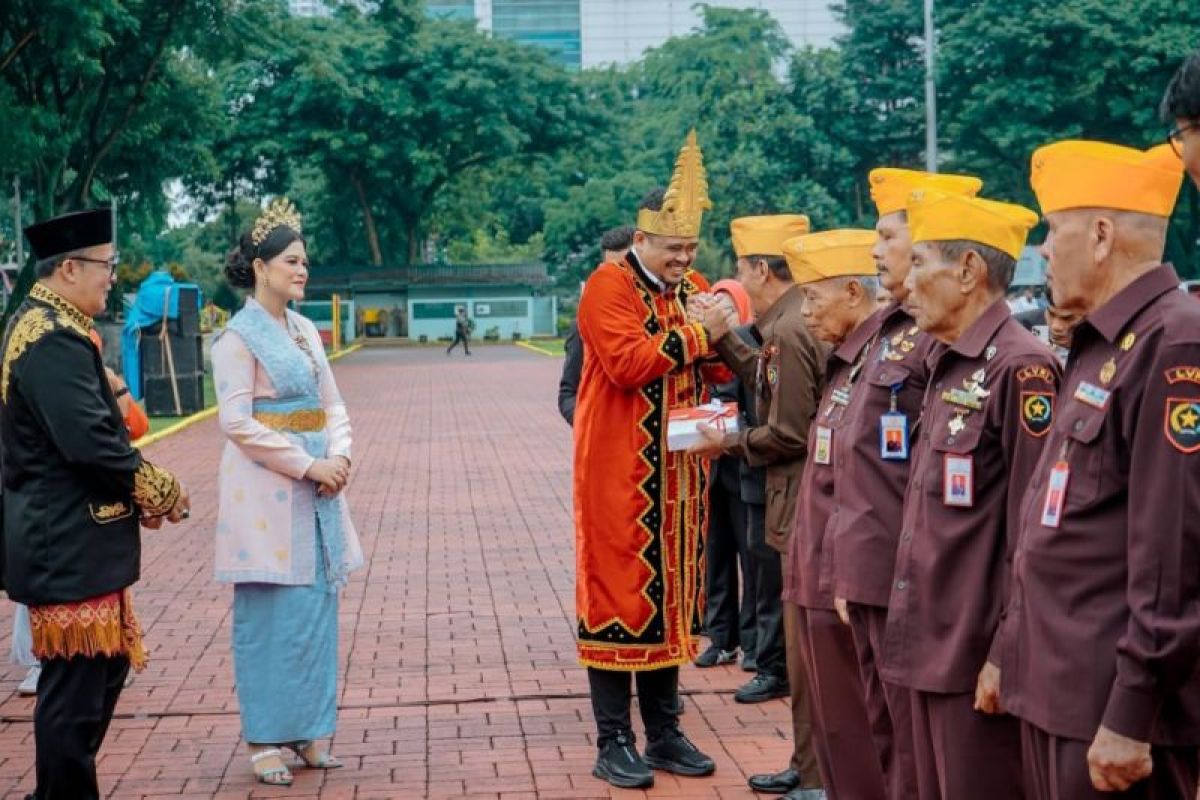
(786, 374)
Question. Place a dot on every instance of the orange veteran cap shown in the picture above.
(935, 216)
(764, 236)
(831, 254)
(890, 186)
(1086, 174)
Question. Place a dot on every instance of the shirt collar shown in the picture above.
(653, 281)
(976, 337)
(1111, 318)
(47, 296)
(851, 348)
(791, 296)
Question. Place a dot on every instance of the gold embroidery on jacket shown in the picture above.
(69, 315)
(154, 489)
(28, 328)
(110, 512)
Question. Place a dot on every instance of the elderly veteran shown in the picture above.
(987, 409)
(1102, 636)
(872, 464)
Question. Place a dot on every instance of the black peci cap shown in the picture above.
(69, 232)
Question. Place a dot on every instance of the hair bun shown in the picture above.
(238, 271)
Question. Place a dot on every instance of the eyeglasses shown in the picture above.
(1175, 137)
(110, 263)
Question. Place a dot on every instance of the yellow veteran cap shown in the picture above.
(831, 254)
(1084, 174)
(764, 236)
(935, 216)
(890, 187)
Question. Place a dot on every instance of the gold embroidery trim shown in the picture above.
(110, 512)
(306, 420)
(69, 315)
(26, 330)
(154, 490)
(101, 626)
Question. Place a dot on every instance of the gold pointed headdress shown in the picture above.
(280, 213)
(686, 198)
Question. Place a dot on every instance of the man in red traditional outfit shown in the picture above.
(640, 511)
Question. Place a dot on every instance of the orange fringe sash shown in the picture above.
(101, 626)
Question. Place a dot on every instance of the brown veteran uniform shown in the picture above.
(987, 410)
(1103, 627)
(845, 749)
(786, 375)
(871, 462)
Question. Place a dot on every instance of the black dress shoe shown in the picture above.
(620, 764)
(776, 782)
(673, 752)
(715, 657)
(762, 688)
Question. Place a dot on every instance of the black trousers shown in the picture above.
(729, 619)
(768, 587)
(459, 336)
(75, 703)
(657, 689)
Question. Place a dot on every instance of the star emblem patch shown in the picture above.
(1037, 412)
(1182, 423)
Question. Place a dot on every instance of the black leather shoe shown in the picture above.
(762, 688)
(805, 794)
(673, 752)
(715, 657)
(620, 764)
(776, 782)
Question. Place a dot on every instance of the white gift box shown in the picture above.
(683, 429)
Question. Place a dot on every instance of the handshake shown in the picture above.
(715, 312)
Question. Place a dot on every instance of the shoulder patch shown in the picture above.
(26, 330)
(1037, 412)
(1181, 423)
(1035, 372)
(1181, 374)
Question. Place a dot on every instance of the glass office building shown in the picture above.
(552, 24)
(452, 9)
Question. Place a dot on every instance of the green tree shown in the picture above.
(105, 100)
(1091, 69)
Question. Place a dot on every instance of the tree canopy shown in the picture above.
(406, 138)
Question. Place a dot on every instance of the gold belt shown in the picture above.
(307, 420)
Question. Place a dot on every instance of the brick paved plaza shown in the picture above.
(457, 656)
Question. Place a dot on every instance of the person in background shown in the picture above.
(614, 244)
(462, 330)
(730, 617)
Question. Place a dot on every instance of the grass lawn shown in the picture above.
(210, 399)
(551, 347)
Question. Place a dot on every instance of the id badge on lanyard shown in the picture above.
(823, 449)
(893, 431)
(1056, 494)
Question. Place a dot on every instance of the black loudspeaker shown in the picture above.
(187, 353)
(159, 400)
(188, 321)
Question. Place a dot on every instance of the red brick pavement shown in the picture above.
(457, 654)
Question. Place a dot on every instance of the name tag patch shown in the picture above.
(1092, 395)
